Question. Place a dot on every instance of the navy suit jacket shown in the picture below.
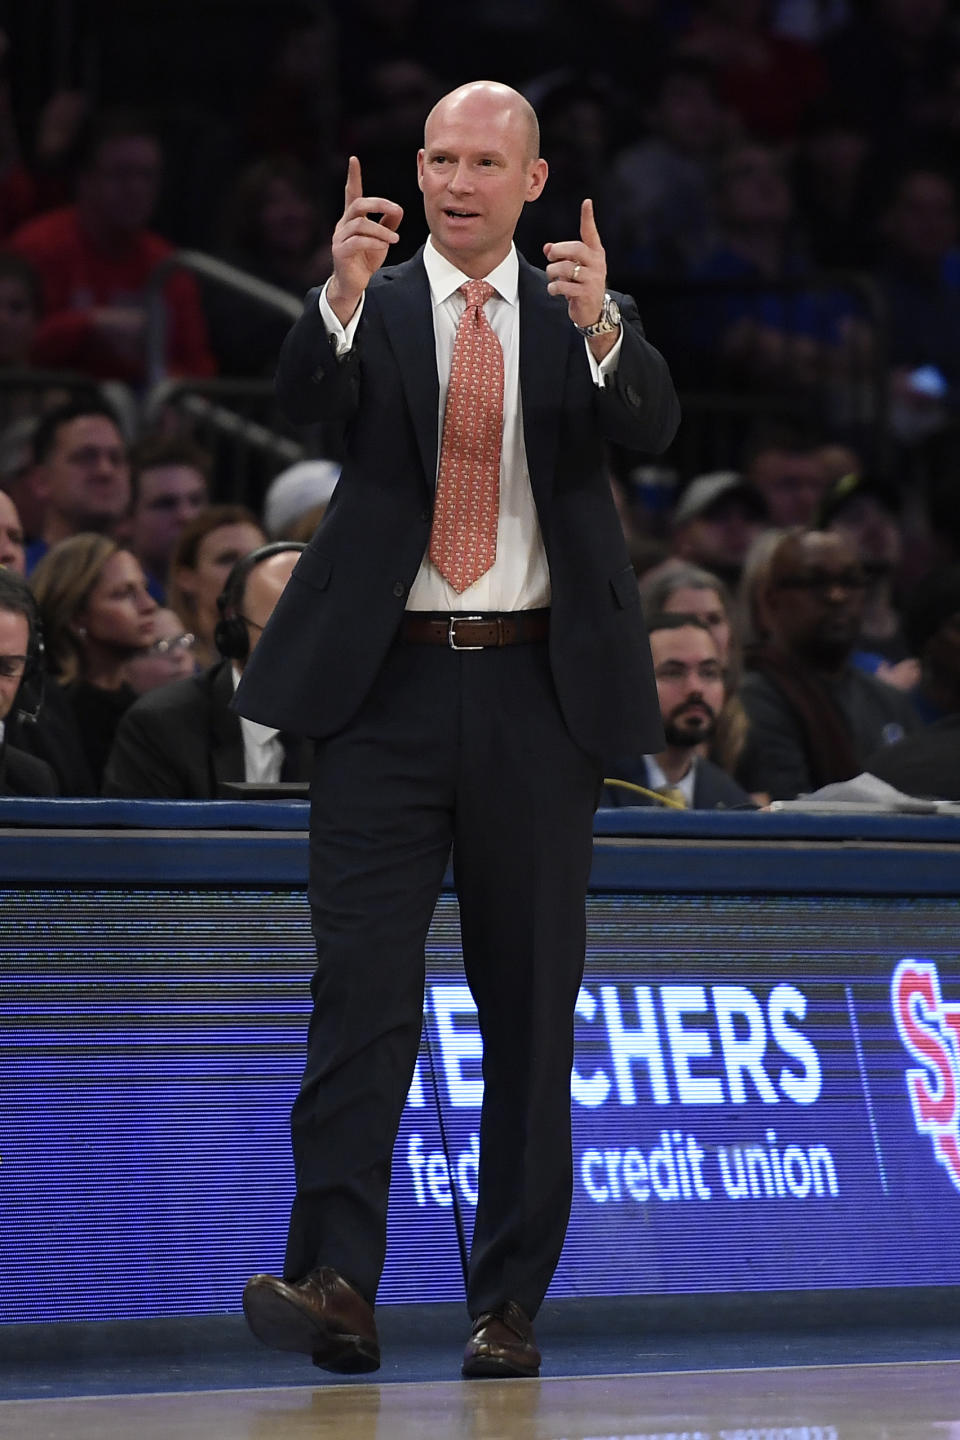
(713, 788)
(344, 602)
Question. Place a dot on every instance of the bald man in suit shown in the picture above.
(466, 711)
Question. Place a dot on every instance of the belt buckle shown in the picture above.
(452, 632)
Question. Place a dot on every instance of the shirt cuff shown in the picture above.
(342, 334)
(602, 370)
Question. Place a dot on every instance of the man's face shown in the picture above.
(86, 478)
(265, 585)
(122, 184)
(11, 536)
(689, 683)
(815, 597)
(167, 497)
(14, 638)
(792, 483)
(476, 174)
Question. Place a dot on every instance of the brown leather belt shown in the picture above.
(475, 632)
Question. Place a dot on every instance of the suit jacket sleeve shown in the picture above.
(313, 383)
(140, 765)
(639, 409)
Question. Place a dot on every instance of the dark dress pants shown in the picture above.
(467, 750)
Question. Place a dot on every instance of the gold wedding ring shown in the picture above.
(576, 271)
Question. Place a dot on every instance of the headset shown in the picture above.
(16, 597)
(231, 635)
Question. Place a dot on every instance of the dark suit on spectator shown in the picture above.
(179, 741)
(23, 774)
(713, 788)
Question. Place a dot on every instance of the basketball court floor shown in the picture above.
(607, 1376)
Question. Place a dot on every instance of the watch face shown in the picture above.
(612, 312)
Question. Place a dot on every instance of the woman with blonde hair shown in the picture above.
(97, 614)
(208, 548)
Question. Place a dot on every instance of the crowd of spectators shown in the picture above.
(775, 180)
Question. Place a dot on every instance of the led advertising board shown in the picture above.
(765, 1097)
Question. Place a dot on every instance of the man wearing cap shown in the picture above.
(717, 519)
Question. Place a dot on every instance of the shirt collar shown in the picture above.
(445, 279)
(658, 780)
(257, 733)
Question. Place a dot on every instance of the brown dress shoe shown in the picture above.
(501, 1344)
(321, 1316)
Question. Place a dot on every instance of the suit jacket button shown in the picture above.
(425, 516)
(399, 589)
(634, 396)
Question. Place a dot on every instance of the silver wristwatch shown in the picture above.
(609, 320)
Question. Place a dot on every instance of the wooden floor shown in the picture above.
(838, 1402)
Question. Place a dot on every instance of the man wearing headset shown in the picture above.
(180, 741)
(20, 661)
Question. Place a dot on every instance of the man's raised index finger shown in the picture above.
(354, 187)
(589, 233)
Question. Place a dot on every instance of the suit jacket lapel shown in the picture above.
(226, 737)
(544, 355)
(405, 304)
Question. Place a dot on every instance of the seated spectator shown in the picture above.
(97, 614)
(690, 684)
(891, 62)
(865, 513)
(278, 233)
(20, 773)
(660, 192)
(769, 79)
(208, 548)
(688, 590)
(919, 279)
(776, 337)
(932, 627)
(170, 657)
(81, 473)
(927, 764)
(832, 181)
(300, 489)
(181, 740)
(170, 480)
(95, 257)
(12, 553)
(716, 520)
(789, 472)
(814, 717)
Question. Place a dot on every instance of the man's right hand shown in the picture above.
(360, 243)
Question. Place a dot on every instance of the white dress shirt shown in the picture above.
(262, 750)
(659, 781)
(519, 579)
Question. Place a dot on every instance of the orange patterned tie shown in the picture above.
(463, 543)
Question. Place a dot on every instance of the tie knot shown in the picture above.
(477, 292)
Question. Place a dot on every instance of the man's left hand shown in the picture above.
(578, 270)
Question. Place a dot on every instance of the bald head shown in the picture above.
(480, 98)
(478, 167)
